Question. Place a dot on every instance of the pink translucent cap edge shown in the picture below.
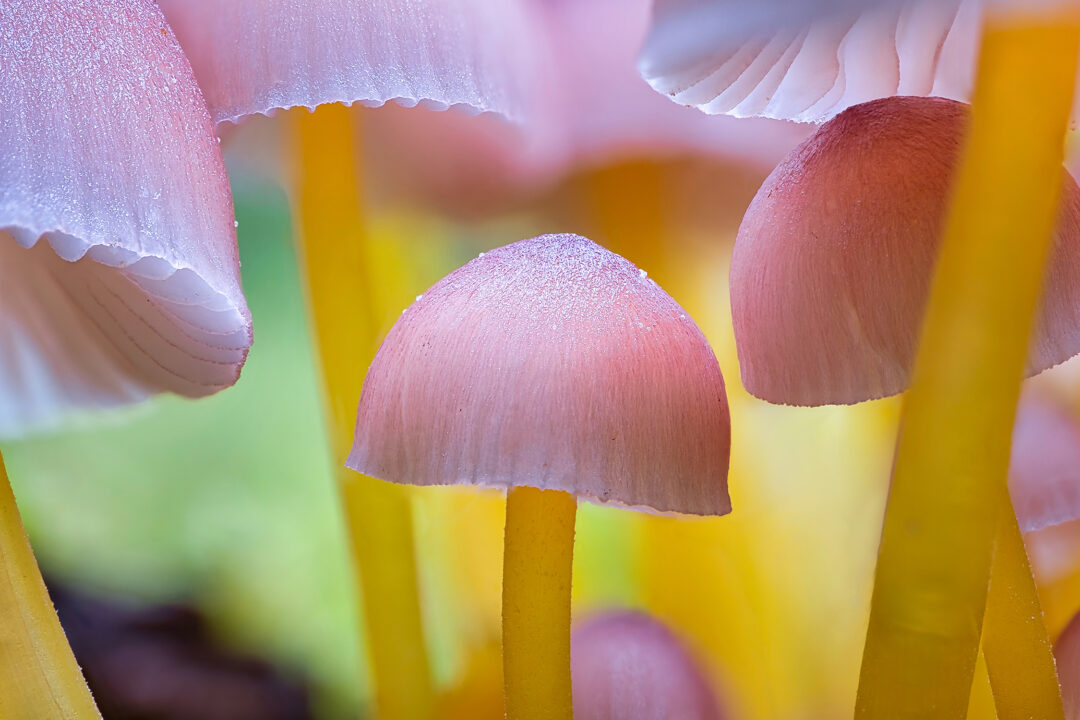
(833, 260)
(628, 665)
(1044, 470)
(118, 254)
(257, 56)
(551, 363)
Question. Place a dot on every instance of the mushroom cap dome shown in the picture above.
(833, 261)
(551, 363)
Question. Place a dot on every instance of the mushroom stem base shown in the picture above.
(538, 561)
(39, 677)
(1019, 656)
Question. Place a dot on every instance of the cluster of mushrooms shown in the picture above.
(550, 367)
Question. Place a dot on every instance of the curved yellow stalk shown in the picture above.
(981, 705)
(39, 677)
(537, 565)
(346, 321)
(952, 454)
(1019, 656)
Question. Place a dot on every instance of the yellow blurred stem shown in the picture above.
(39, 677)
(537, 564)
(627, 211)
(334, 250)
(952, 454)
(981, 706)
(1019, 656)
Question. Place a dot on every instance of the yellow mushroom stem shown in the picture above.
(538, 560)
(953, 451)
(39, 677)
(334, 252)
(1019, 656)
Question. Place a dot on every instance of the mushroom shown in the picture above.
(556, 369)
(256, 57)
(930, 581)
(833, 260)
(628, 666)
(118, 257)
(118, 266)
(830, 277)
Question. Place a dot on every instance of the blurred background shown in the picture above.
(197, 553)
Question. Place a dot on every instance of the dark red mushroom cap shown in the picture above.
(833, 261)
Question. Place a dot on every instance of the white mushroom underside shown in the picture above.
(86, 327)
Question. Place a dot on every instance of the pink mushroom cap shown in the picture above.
(551, 363)
(628, 666)
(833, 260)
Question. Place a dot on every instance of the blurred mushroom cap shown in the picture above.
(628, 666)
(1044, 470)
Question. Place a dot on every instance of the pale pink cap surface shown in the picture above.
(257, 56)
(833, 261)
(807, 60)
(628, 666)
(550, 363)
(1044, 470)
(1067, 652)
(118, 257)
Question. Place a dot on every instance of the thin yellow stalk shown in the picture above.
(537, 564)
(953, 451)
(1019, 655)
(39, 677)
(334, 251)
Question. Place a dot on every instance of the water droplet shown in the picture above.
(642, 273)
(419, 297)
(236, 223)
(481, 255)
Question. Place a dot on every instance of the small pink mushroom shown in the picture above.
(628, 666)
(556, 364)
(548, 364)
